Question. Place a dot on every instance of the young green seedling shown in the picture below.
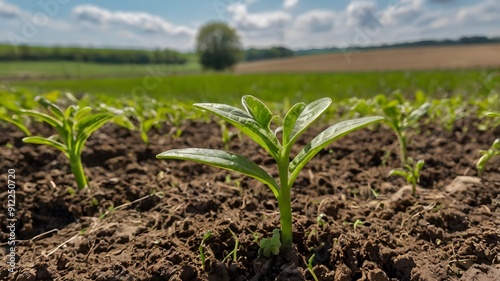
(400, 117)
(201, 249)
(270, 245)
(74, 126)
(410, 172)
(255, 122)
(236, 248)
(310, 267)
(494, 150)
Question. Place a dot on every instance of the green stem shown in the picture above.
(402, 148)
(77, 170)
(284, 203)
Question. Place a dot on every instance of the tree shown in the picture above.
(218, 46)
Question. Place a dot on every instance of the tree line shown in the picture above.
(105, 56)
(253, 54)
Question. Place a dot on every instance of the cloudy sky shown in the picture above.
(298, 24)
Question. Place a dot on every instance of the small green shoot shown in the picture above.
(354, 224)
(74, 126)
(400, 117)
(201, 250)
(410, 172)
(321, 220)
(110, 210)
(270, 245)
(493, 151)
(235, 250)
(310, 267)
(255, 121)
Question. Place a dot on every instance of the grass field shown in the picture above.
(275, 87)
(449, 57)
(158, 81)
(65, 69)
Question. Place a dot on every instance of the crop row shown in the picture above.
(74, 120)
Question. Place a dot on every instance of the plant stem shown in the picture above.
(77, 170)
(284, 203)
(402, 148)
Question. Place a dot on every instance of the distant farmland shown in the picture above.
(419, 58)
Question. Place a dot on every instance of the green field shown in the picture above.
(275, 87)
(76, 70)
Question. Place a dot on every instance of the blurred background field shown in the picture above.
(275, 87)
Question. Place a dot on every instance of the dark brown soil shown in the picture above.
(450, 231)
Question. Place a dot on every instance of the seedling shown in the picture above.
(235, 250)
(74, 126)
(494, 150)
(256, 123)
(355, 224)
(410, 172)
(400, 117)
(270, 245)
(310, 267)
(321, 219)
(200, 248)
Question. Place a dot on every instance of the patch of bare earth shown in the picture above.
(450, 231)
(418, 58)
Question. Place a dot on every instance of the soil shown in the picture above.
(144, 219)
(481, 56)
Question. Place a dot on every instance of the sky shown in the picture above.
(296, 24)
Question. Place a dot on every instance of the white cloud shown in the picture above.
(288, 4)
(403, 12)
(9, 11)
(359, 22)
(316, 21)
(143, 22)
(245, 21)
(485, 11)
(360, 13)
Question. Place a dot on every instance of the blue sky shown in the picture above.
(298, 24)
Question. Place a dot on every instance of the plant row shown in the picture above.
(74, 120)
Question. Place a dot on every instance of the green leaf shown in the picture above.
(87, 125)
(419, 165)
(16, 123)
(44, 117)
(398, 172)
(271, 245)
(259, 111)
(417, 113)
(300, 117)
(47, 141)
(244, 122)
(82, 112)
(91, 123)
(56, 110)
(325, 138)
(225, 160)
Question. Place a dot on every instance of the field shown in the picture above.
(20, 70)
(143, 218)
(276, 87)
(454, 57)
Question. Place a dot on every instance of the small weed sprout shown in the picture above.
(270, 245)
(494, 150)
(410, 172)
(201, 249)
(74, 126)
(400, 116)
(236, 248)
(310, 267)
(255, 122)
(321, 219)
